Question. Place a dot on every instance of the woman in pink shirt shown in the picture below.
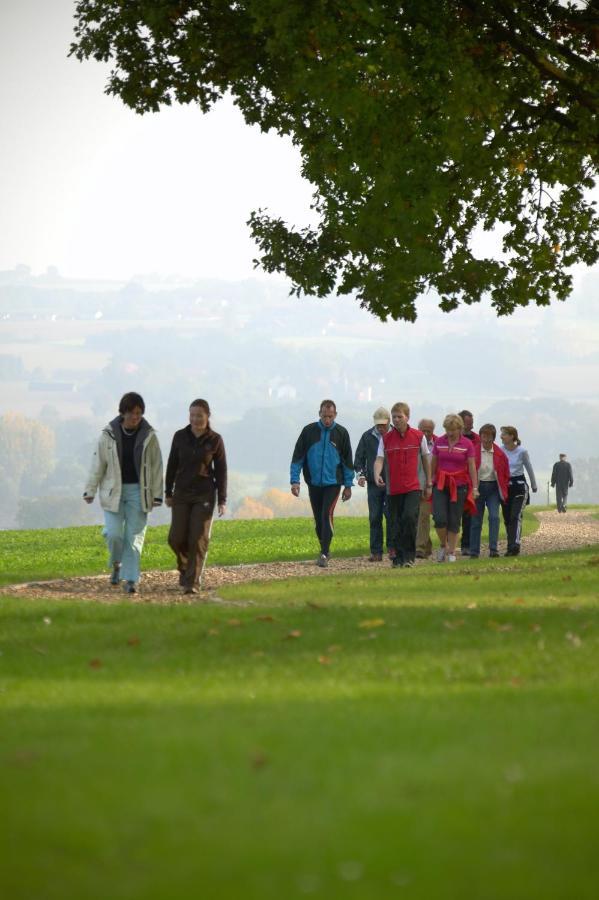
(455, 484)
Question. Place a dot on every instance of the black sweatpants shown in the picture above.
(513, 512)
(403, 524)
(323, 501)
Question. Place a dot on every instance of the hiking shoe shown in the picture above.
(451, 557)
(441, 554)
(192, 590)
(391, 553)
(465, 552)
(396, 563)
(322, 561)
(493, 554)
(409, 564)
(375, 557)
(115, 577)
(181, 579)
(130, 587)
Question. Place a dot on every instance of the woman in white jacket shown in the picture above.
(127, 469)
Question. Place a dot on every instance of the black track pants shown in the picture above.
(323, 501)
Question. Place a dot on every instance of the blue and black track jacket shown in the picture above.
(324, 455)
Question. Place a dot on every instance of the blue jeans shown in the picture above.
(125, 531)
(377, 508)
(489, 497)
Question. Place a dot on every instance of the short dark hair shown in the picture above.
(130, 401)
(203, 404)
(489, 428)
(465, 412)
(326, 403)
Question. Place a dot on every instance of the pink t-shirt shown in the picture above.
(455, 459)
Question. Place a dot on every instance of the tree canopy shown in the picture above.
(418, 123)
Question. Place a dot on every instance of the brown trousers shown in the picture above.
(424, 546)
(189, 537)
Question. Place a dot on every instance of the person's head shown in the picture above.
(427, 427)
(509, 435)
(487, 433)
(468, 420)
(132, 408)
(453, 426)
(199, 415)
(327, 412)
(562, 456)
(381, 419)
(400, 414)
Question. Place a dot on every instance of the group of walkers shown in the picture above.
(410, 475)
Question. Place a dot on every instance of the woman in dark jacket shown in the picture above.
(196, 479)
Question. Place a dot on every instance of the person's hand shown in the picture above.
(295, 489)
(380, 481)
(221, 509)
(89, 499)
(534, 490)
(168, 501)
(428, 490)
(475, 492)
(346, 495)
(361, 481)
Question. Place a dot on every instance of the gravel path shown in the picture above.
(571, 531)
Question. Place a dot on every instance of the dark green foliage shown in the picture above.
(418, 124)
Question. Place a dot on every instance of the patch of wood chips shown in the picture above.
(556, 532)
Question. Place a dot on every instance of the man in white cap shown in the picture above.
(377, 497)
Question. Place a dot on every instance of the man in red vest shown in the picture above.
(400, 451)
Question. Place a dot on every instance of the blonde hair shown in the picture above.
(513, 433)
(401, 407)
(453, 421)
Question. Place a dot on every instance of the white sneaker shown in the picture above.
(441, 555)
(450, 557)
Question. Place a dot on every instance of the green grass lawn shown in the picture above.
(65, 552)
(430, 733)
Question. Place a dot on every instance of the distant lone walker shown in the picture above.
(561, 480)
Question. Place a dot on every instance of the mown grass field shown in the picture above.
(66, 552)
(428, 733)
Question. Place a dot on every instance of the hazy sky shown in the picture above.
(91, 187)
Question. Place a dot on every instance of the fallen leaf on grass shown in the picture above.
(95, 663)
(40, 651)
(573, 638)
(325, 660)
(265, 619)
(313, 605)
(258, 653)
(476, 578)
(213, 632)
(371, 623)
(47, 620)
(534, 627)
(516, 682)
(472, 606)
(457, 624)
(234, 622)
(293, 634)
(520, 601)
(133, 641)
(498, 626)
(334, 648)
(593, 561)
(259, 760)
(567, 578)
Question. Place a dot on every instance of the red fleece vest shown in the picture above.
(402, 453)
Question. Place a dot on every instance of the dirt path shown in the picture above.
(576, 529)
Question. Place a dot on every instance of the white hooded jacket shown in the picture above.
(105, 470)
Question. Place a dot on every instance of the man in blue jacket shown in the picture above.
(323, 453)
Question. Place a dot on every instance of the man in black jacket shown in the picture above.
(363, 464)
(562, 479)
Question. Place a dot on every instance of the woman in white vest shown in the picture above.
(127, 469)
